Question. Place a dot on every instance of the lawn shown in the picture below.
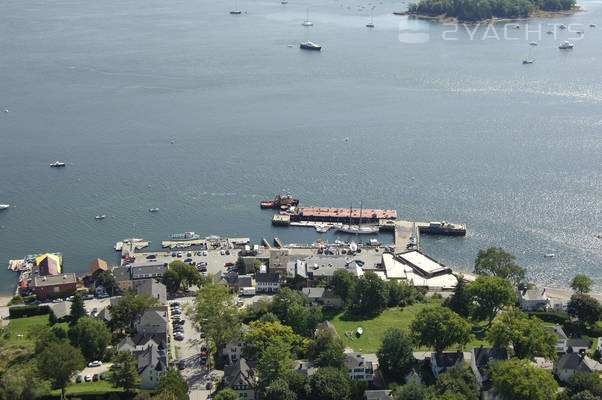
(88, 388)
(374, 329)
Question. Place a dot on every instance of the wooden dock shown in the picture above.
(404, 230)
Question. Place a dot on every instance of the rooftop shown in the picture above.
(51, 280)
(344, 212)
(424, 263)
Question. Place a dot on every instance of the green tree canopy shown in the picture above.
(59, 362)
(274, 362)
(126, 311)
(459, 302)
(328, 349)
(582, 381)
(581, 283)
(459, 381)
(171, 280)
(330, 384)
(293, 308)
(527, 336)
(172, 385)
(240, 265)
(216, 311)
(22, 382)
(124, 371)
(518, 380)
(439, 327)
(188, 274)
(343, 283)
(395, 353)
(412, 391)
(227, 394)
(91, 336)
(490, 294)
(107, 280)
(77, 308)
(585, 308)
(496, 262)
(370, 297)
(280, 390)
(261, 334)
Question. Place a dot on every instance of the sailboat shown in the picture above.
(371, 24)
(236, 11)
(357, 229)
(307, 22)
(530, 59)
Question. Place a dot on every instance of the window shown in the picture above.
(55, 289)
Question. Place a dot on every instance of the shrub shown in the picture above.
(27, 311)
(555, 317)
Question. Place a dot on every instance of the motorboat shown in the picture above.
(153, 209)
(374, 242)
(100, 216)
(549, 255)
(371, 23)
(284, 2)
(550, 32)
(528, 61)
(353, 247)
(322, 228)
(118, 246)
(566, 45)
(533, 44)
(310, 46)
(358, 230)
(235, 12)
(182, 237)
(307, 22)
(4, 206)
(562, 26)
(57, 164)
(592, 25)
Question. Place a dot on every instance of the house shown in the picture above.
(566, 345)
(233, 350)
(481, 358)
(152, 363)
(52, 286)
(240, 377)
(533, 299)
(324, 297)
(123, 277)
(267, 283)
(440, 362)
(305, 367)
(378, 394)
(321, 267)
(571, 363)
(104, 314)
(154, 320)
(236, 281)
(559, 304)
(146, 271)
(49, 264)
(141, 341)
(152, 288)
(278, 261)
(359, 369)
(97, 266)
(61, 310)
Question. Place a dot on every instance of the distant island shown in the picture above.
(482, 10)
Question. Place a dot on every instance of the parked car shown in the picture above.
(175, 304)
(173, 254)
(102, 295)
(178, 337)
(179, 254)
(176, 312)
(188, 260)
(95, 378)
(204, 252)
(228, 252)
(203, 348)
(88, 378)
(209, 385)
(181, 365)
(94, 364)
(229, 264)
(222, 252)
(103, 376)
(151, 256)
(179, 329)
(79, 379)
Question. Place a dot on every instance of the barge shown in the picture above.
(281, 202)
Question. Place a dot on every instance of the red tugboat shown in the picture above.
(284, 200)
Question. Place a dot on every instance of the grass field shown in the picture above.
(374, 329)
(88, 388)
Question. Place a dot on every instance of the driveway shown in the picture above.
(94, 370)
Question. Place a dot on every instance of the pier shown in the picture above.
(405, 230)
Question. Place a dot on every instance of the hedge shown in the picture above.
(28, 311)
(556, 317)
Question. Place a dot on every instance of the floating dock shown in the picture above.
(405, 230)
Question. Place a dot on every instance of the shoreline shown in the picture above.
(443, 18)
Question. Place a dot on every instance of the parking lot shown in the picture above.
(215, 260)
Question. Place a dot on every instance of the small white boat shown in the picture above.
(549, 255)
(566, 45)
(118, 246)
(307, 22)
(322, 228)
(57, 164)
(353, 247)
(153, 210)
(371, 23)
(528, 61)
(4, 206)
(310, 46)
(100, 216)
(235, 12)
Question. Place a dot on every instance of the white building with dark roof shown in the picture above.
(359, 369)
(441, 362)
(571, 363)
(533, 299)
(415, 266)
(267, 283)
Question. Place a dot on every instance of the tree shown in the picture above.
(527, 336)
(581, 283)
(412, 391)
(58, 363)
(107, 281)
(227, 394)
(293, 308)
(582, 381)
(216, 311)
(496, 262)
(91, 336)
(395, 353)
(330, 384)
(343, 283)
(490, 294)
(261, 334)
(459, 302)
(171, 280)
(370, 297)
(585, 308)
(77, 308)
(518, 380)
(21, 382)
(439, 327)
(459, 381)
(129, 309)
(274, 362)
(187, 274)
(328, 349)
(172, 386)
(240, 265)
(280, 390)
(124, 372)
(585, 395)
